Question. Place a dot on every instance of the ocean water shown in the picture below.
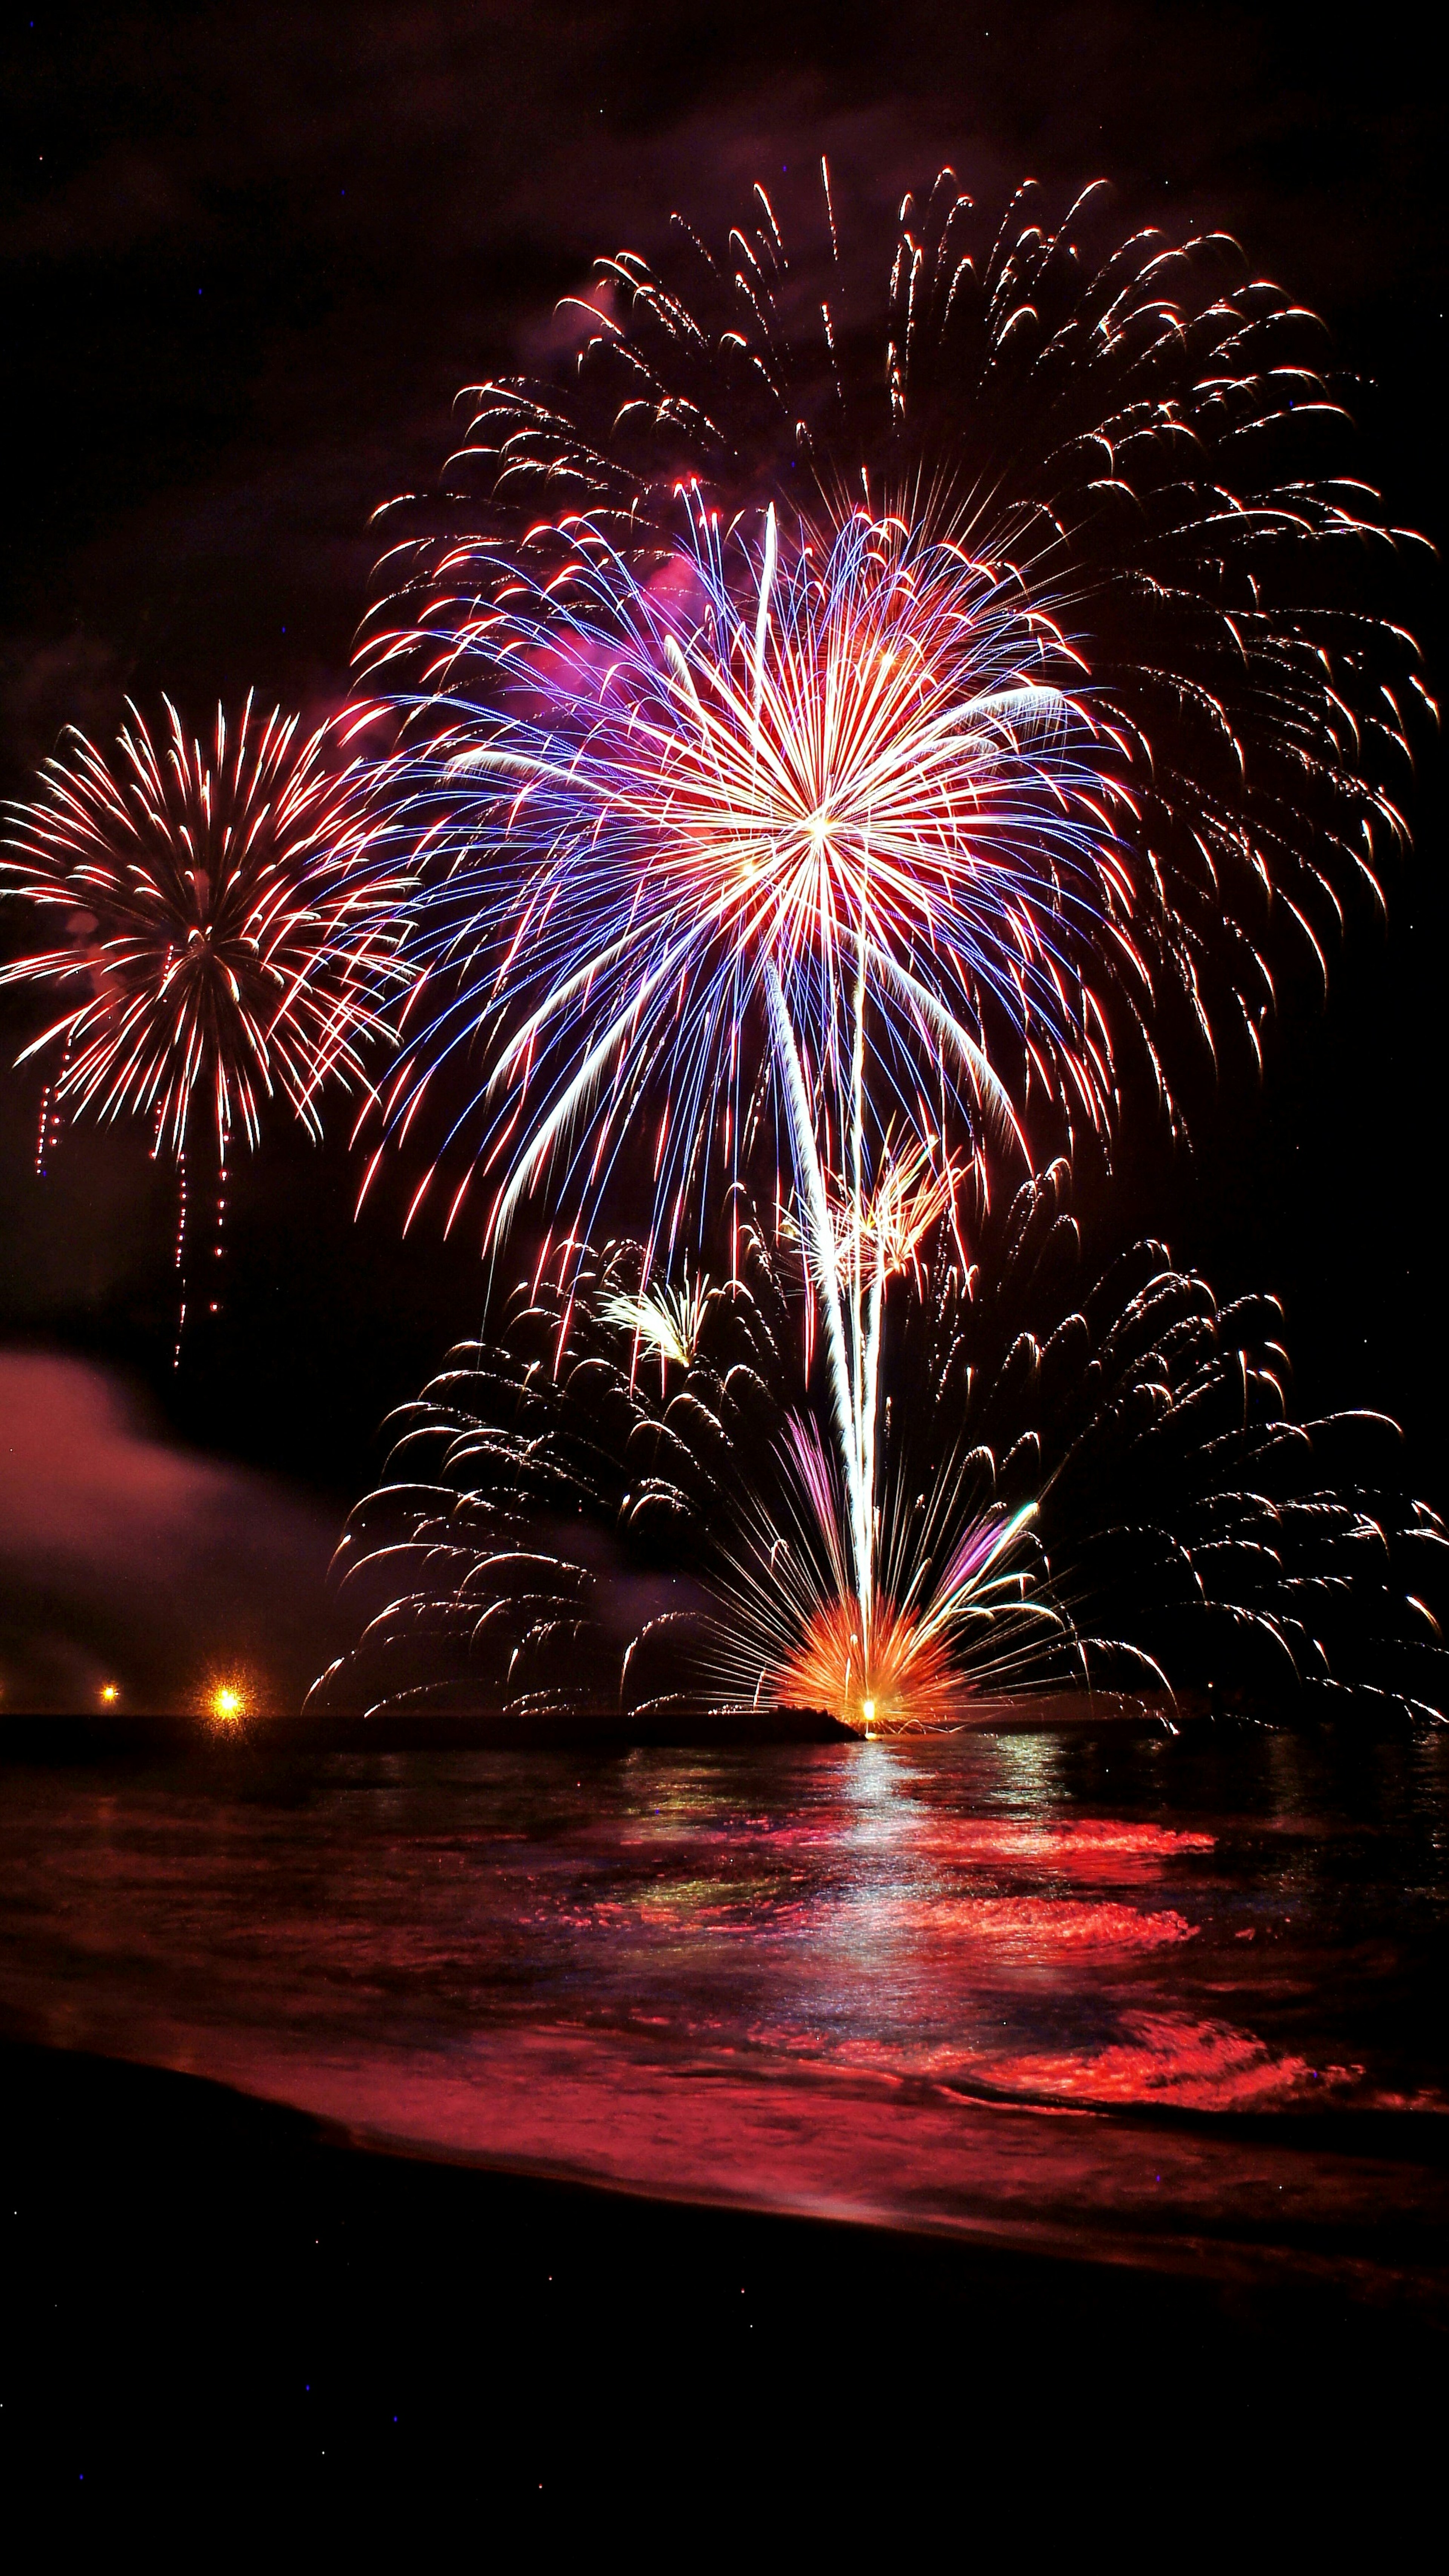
(1170, 2000)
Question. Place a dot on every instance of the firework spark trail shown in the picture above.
(231, 929)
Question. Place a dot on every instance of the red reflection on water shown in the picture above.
(1195, 2065)
(864, 1983)
(1030, 1925)
(1097, 1847)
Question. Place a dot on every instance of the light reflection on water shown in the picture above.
(976, 1984)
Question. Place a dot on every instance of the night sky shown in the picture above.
(249, 258)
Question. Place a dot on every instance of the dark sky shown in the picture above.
(250, 255)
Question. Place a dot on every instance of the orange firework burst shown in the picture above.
(896, 1220)
(882, 1677)
(950, 1594)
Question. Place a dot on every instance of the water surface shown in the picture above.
(1169, 2000)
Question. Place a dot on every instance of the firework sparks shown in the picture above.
(667, 1321)
(228, 933)
(1148, 431)
(823, 832)
(1092, 1479)
(1141, 444)
(227, 1705)
(677, 833)
(806, 775)
(227, 943)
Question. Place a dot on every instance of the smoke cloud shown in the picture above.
(129, 1563)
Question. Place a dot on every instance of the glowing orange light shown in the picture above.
(899, 1675)
(109, 1695)
(227, 1705)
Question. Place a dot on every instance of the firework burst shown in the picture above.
(786, 805)
(1142, 441)
(228, 933)
(227, 944)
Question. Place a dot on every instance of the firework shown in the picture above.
(676, 835)
(1138, 443)
(791, 847)
(226, 931)
(223, 945)
(836, 774)
(1086, 1479)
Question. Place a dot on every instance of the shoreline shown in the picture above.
(203, 2286)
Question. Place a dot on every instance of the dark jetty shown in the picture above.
(97, 1738)
(100, 1738)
